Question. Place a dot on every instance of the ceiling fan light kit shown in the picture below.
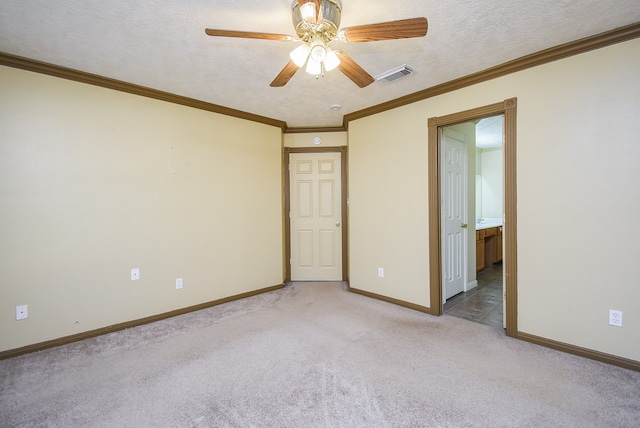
(317, 23)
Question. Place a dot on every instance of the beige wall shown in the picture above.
(577, 173)
(492, 179)
(388, 210)
(304, 139)
(94, 182)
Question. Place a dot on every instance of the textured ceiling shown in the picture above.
(162, 45)
(489, 132)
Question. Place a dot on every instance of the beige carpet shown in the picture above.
(313, 355)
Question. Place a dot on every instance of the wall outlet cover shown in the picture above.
(615, 318)
(22, 312)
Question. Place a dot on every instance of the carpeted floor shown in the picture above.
(313, 355)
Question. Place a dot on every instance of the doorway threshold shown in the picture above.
(482, 304)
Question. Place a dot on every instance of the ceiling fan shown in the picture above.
(317, 23)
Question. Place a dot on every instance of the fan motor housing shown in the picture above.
(327, 28)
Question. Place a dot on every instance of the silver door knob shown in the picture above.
(464, 225)
(337, 224)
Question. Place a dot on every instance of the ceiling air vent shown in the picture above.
(394, 74)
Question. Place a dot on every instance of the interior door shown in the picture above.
(454, 212)
(315, 216)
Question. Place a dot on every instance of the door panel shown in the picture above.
(315, 217)
(454, 209)
(327, 244)
(305, 248)
(304, 193)
(327, 198)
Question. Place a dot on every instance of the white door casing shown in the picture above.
(315, 216)
(454, 216)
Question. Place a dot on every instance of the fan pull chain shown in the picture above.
(322, 70)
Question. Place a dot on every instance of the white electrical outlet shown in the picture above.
(22, 312)
(135, 274)
(178, 283)
(380, 272)
(615, 318)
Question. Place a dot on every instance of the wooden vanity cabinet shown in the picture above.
(488, 247)
(479, 250)
(499, 245)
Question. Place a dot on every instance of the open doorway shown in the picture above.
(509, 253)
(471, 177)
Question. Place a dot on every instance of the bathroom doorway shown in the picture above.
(479, 296)
(507, 246)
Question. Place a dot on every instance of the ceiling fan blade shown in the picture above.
(285, 75)
(353, 71)
(247, 35)
(402, 29)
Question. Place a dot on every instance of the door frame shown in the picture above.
(287, 204)
(508, 108)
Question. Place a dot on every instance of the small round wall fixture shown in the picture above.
(317, 140)
(335, 107)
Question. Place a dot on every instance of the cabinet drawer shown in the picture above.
(492, 231)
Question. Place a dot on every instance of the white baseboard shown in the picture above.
(472, 284)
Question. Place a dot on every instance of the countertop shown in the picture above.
(487, 223)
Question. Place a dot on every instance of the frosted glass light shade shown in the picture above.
(331, 61)
(300, 54)
(314, 67)
(318, 52)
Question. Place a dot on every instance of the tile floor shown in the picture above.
(482, 304)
